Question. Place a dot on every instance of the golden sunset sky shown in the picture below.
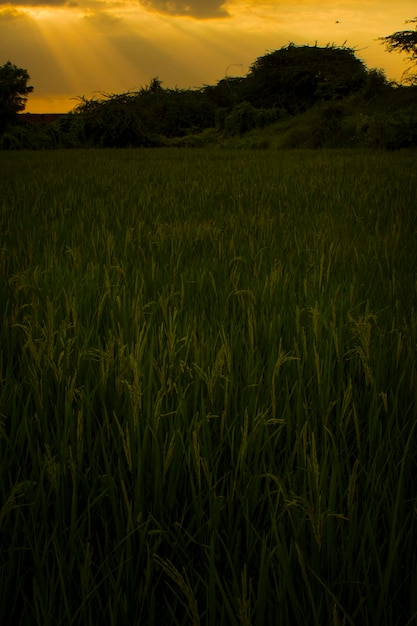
(76, 48)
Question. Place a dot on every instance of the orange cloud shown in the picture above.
(114, 46)
(34, 3)
(190, 8)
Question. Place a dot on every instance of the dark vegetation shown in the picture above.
(13, 93)
(308, 96)
(208, 390)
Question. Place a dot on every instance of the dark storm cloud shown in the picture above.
(193, 8)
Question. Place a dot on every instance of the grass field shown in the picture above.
(208, 388)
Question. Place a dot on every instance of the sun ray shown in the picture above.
(116, 46)
(88, 59)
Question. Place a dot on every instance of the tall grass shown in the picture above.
(208, 388)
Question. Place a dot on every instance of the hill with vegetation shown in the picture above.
(296, 96)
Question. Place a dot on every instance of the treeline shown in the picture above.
(347, 105)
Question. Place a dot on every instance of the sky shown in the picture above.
(84, 48)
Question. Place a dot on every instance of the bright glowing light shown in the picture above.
(114, 47)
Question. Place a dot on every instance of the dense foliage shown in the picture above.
(297, 77)
(13, 93)
(144, 117)
(346, 105)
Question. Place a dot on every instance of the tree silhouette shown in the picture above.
(296, 77)
(404, 41)
(13, 92)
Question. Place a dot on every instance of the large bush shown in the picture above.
(144, 118)
(245, 117)
(297, 77)
(390, 131)
(114, 122)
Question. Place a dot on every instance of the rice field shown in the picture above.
(208, 388)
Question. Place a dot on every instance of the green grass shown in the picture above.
(208, 388)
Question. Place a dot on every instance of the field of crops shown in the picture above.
(208, 388)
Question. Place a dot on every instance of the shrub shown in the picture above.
(388, 131)
(27, 136)
(245, 117)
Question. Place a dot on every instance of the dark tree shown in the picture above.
(13, 92)
(404, 41)
(296, 77)
(228, 92)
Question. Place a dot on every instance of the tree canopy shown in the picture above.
(13, 92)
(404, 41)
(296, 77)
